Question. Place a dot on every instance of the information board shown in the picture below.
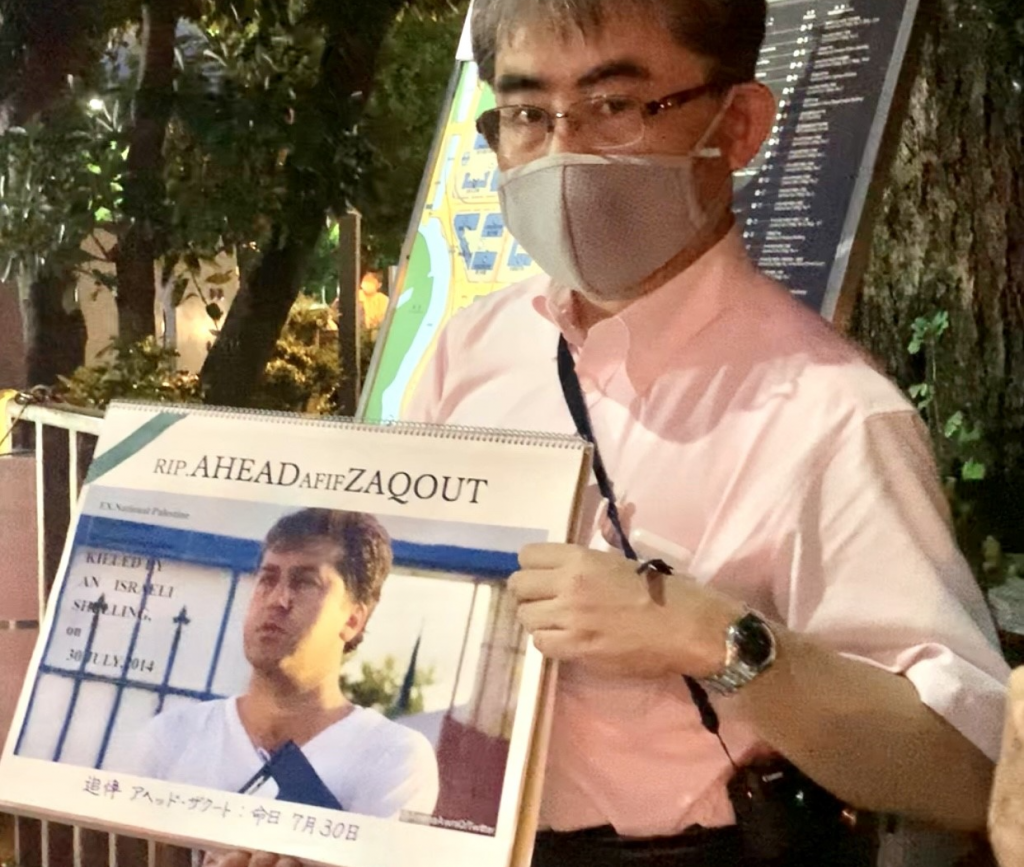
(833, 66)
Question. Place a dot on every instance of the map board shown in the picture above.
(833, 66)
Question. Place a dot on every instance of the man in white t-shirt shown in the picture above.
(319, 579)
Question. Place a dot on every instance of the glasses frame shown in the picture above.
(648, 110)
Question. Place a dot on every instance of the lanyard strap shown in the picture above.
(578, 409)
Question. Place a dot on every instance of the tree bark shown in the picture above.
(260, 310)
(144, 189)
(951, 237)
(54, 329)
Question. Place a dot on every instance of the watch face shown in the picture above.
(754, 640)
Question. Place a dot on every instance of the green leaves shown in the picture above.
(958, 443)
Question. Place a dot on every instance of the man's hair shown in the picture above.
(362, 550)
(729, 33)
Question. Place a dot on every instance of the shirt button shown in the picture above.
(588, 383)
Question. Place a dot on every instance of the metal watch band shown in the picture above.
(739, 669)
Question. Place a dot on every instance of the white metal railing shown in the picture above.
(41, 843)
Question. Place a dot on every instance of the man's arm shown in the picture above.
(1006, 819)
(865, 735)
(888, 686)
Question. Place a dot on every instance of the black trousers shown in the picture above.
(695, 847)
(602, 847)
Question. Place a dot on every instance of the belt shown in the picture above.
(603, 847)
(18, 625)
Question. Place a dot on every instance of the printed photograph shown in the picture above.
(337, 659)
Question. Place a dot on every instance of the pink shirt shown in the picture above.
(743, 429)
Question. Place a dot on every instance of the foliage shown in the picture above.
(145, 370)
(304, 373)
(379, 686)
(417, 61)
(958, 442)
(59, 185)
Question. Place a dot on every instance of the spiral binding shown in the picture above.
(498, 436)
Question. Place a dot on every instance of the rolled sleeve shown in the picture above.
(893, 590)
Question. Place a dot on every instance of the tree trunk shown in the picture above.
(144, 190)
(54, 43)
(236, 362)
(54, 329)
(951, 237)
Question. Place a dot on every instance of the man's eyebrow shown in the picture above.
(515, 82)
(614, 69)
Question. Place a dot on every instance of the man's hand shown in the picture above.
(593, 608)
(1006, 814)
(247, 859)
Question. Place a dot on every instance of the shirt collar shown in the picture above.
(646, 333)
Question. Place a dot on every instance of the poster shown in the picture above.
(293, 635)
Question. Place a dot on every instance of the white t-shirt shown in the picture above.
(373, 766)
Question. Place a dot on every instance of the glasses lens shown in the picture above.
(610, 122)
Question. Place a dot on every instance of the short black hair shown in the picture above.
(729, 33)
(362, 549)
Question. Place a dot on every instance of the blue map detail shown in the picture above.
(481, 143)
(484, 261)
(494, 226)
(471, 184)
(518, 259)
(464, 222)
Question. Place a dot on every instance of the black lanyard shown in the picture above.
(578, 409)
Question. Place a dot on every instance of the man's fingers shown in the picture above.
(231, 859)
(542, 615)
(553, 643)
(546, 555)
(1017, 701)
(288, 862)
(532, 586)
(264, 859)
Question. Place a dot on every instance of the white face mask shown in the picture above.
(603, 224)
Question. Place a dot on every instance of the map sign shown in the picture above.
(833, 66)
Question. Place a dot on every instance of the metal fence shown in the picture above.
(62, 442)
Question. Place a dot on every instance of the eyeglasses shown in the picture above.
(605, 122)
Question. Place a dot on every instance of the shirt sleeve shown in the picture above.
(878, 577)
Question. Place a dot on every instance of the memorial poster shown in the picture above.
(293, 635)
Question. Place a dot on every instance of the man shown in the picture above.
(747, 443)
(320, 577)
(1006, 817)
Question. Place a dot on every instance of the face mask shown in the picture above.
(603, 224)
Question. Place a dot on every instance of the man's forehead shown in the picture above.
(309, 549)
(623, 45)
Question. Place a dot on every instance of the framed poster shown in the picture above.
(293, 635)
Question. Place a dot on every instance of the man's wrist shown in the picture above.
(750, 647)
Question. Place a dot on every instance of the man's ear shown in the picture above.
(356, 621)
(747, 123)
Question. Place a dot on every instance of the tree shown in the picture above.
(416, 65)
(950, 240)
(144, 239)
(321, 173)
(43, 43)
(379, 686)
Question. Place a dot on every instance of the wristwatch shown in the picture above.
(749, 650)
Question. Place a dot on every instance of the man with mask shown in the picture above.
(817, 585)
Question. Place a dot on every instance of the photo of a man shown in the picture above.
(293, 735)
